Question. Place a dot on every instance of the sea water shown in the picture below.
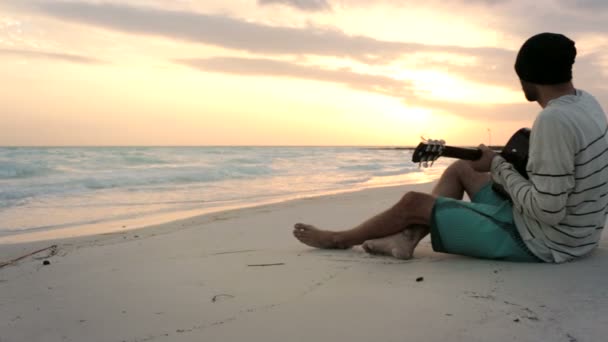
(70, 187)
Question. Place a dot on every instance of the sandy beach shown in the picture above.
(241, 276)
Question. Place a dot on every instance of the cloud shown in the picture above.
(519, 18)
(492, 65)
(231, 33)
(587, 5)
(268, 67)
(523, 111)
(572, 18)
(304, 5)
(49, 55)
(403, 90)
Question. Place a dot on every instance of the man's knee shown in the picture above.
(459, 168)
(470, 179)
(417, 206)
(461, 171)
(414, 199)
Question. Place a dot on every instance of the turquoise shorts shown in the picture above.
(482, 228)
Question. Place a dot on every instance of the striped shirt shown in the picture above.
(560, 211)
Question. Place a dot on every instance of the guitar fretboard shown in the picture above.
(461, 153)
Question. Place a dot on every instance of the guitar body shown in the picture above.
(515, 152)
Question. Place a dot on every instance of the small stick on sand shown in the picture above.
(217, 297)
(262, 265)
(10, 262)
(233, 252)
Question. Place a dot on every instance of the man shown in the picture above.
(554, 216)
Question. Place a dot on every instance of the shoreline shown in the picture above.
(241, 275)
(16, 245)
(101, 191)
(141, 222)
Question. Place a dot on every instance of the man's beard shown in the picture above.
(530, 91)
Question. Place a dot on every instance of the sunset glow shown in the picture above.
(282, 72)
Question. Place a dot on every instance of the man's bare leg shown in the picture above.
(457, 179)
(411, 215)
(414, 208)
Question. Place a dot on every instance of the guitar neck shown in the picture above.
(514, 152)
(461, 153)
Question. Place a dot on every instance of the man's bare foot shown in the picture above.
(315, 237)
(400, 245)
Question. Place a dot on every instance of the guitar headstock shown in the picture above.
(428, 151)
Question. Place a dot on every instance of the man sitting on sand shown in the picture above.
(556, 215)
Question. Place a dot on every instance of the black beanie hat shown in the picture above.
(546, 58)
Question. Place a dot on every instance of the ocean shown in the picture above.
(114, 188)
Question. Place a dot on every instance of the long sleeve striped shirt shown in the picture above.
(560, 211)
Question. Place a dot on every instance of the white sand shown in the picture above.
(189, 280)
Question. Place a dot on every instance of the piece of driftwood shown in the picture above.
(10, 262)
(262, 265)
(233, 252)
(217, 297)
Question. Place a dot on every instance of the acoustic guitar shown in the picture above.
(514, 152)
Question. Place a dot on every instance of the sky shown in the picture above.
(279, 72)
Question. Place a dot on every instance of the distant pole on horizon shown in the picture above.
(489, 137)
